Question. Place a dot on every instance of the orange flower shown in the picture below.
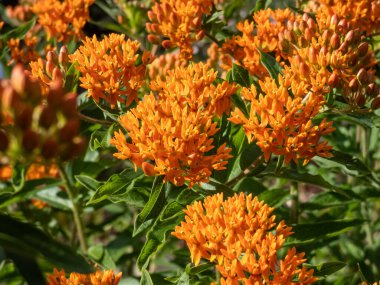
(62, 20)
(20, 13)
(106, 277)
(5, 172)
(108, 68)
(172, 132)
(283, 125)
(179, 21)
(161, 65)
(240, 235)
(23, 50)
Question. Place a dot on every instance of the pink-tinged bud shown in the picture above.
(51, 56)
(360, 100)
(4, 141)
(69, 130)
(289, 25)
(197, 21)
(289, 35)
(308, 34)
(30, 140)
(18, 79)
(75, 148)
(34, 90)
(362, 76)
(343, 47)
(57, 74)
(63, 57)
(148, 169)
(354, 85)
(326, 36)
(342, 26)
(200, 35)
(334, 21)
(311, 24)
(69, 105)
(55, 94)
(313, 55)
(349, 38)
(333, 80)
(148, 27)
(305, 17)
(370, 89)
(9, 98)
(47, 117)
(335, 41)
(167, 44)
(304, 69)
(23, 117)
(356, 35)
(153, 39)
(49, 67)
(152, 16)
(323, 51)
(49, 148)
(362, 49)
(375, 103)
(302, 26)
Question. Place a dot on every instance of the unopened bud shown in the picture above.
(167, 44)
(349, 38)
(23, 117)
(326, 35)
(308, 34)
(49, 148)
(354, 85)
(50, 67)
(362, 49)
(4, 141)
(69, 130)
(197, 21)
(343, 47)
(370, 89)
(289, 35)
(18, 79)
(313, 55)
(335, 41)
(305, 17)
(375, 103)
(360, 100)
(333, 80)
(362, 76)
(311, 24)
(334, 21)
(55, 94)
(342, 26)
(51, 56)
(304, 69)
(30, 140)
(75, 148)
(69, 105)
(152, 16)
(63, 56)
(302, 42)
(47, 117)
(200, 35)
(153, 39)
(34, 90)
(148, 169)
(57, 74)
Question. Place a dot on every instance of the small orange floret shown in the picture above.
(106, 277)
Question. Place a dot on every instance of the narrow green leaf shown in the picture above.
(260, 4)
(145, 278)
(349, 161)
(250, 154)
(274, 197)
(327, 268)
(88, 182)
(19, 32)
(271, 65)
(240, 75)
(152, 208)
(200, 268)
(72, 78)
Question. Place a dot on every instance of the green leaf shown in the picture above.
(115, 183)
(274, 197)
(135, 196)
(260, 4)
(215, 17)
(326, 229)
(145, 278)
(88, 182)
(240, 75)
(327, 268)
(212, 187)
(18, 176)
(152, 208)
(200, 268)
(19, 32)
(349, 161)
(25, 239)
(271, 65)
(72, 78)
(249, 155)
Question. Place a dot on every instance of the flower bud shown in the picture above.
(18, 79)
(55, 95)
(375, 103)
(334, 21)
(153, 39)
(57, 74)
(30, 140)
(335, 41)
(200, 35)
(305, 17)
(47, 117)
(69, 130)
(51, 56)
(63, 57)
(362, 49)
(49, 67)
(326, 35)
(354, 85)
(343, 47)
(313, 55)
(167, 44)
(311, 24)
(49, 148)
(370, 89)
(360, 100)
(362, 76)
(23, 117)
(333, 80)
(152, 16)
(342, 26)
(75, 148)
(308, 34)
(69, 105)
(289, 35)
(33, 88)
(9, 98)
(304, 69)
(349, 38)
(148, 169)
(4, 141)
(197, 21)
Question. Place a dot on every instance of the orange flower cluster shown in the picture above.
(281, 124)
(109, 68)
(362, 14)
(34, 126)
(172, 132)
(330, 54)
(52, 70)
(240, 235)
(23, 50)
(106, 277)
(62, 20)
(20, 13)
(260, 34)
(162, 64)
(179, 22)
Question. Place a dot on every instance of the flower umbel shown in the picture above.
(240, 235)
(108, 68)
(106, 277)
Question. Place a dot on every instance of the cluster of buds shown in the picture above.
(330, 54)
(33, 125)
(20, 13)
(162, 64)
(53, 69)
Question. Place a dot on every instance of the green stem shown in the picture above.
(93, 120)
(294, 207)
(246, 171)
(217, 276)
(78, 222)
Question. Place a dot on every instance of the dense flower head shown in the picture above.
(280, 120)
(33, 125)
(162, 64)
(241, 236)
(62, 20)
(53, 69)
(109, 68)
(178, 22)
(106, 277)
(362, 14)
(172, 133)
(23, 50)
(20, 13)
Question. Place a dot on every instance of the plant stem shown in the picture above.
(217, 276)
(93, 120)
(245, 172)
(294, 207)
(78, 222)
(211, 37)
